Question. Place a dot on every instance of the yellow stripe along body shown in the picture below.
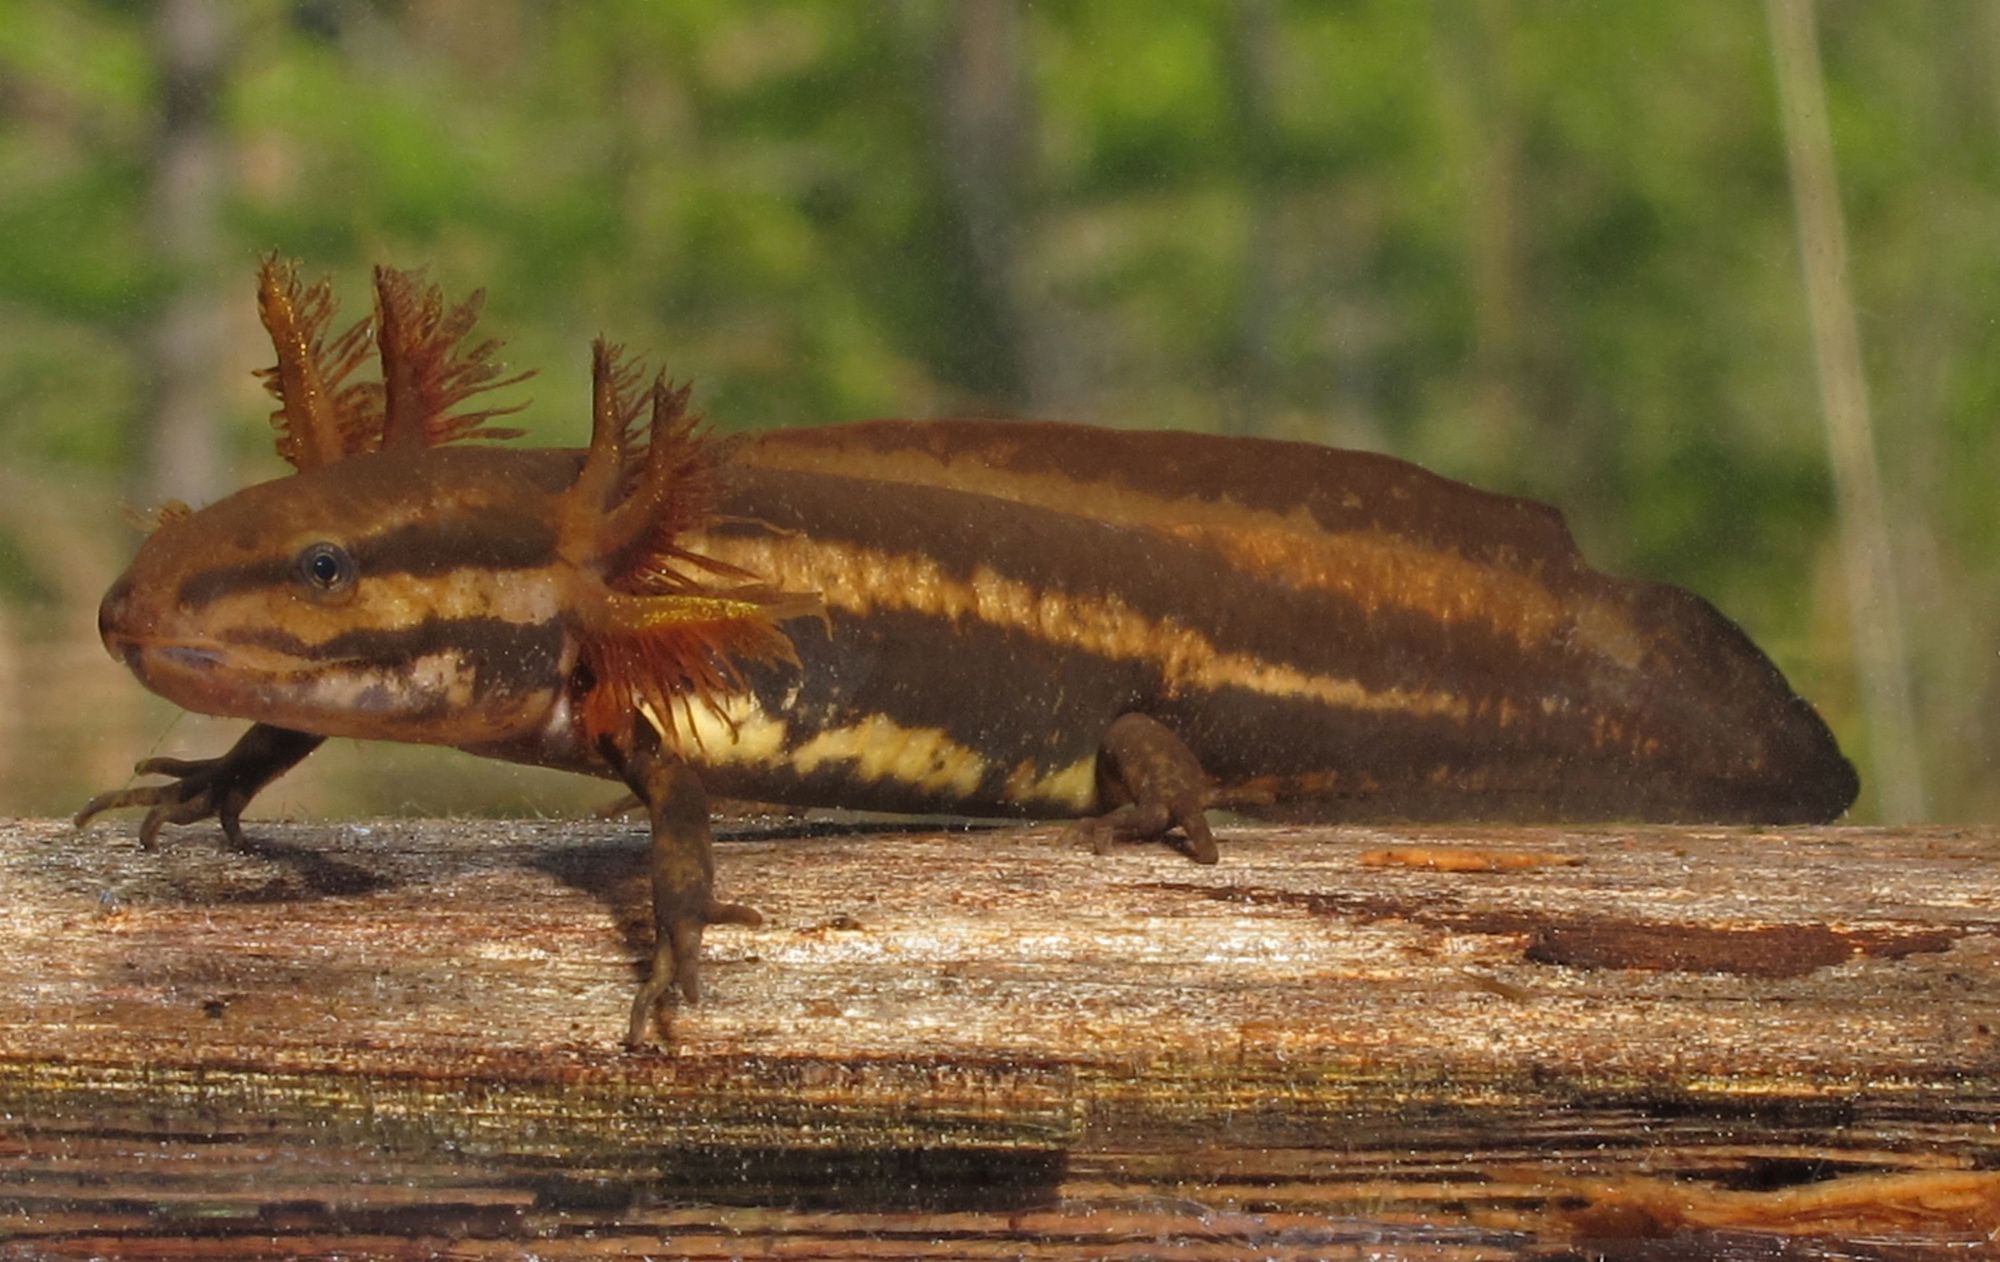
(1334, 634)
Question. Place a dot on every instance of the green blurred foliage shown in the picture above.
(1545, 247)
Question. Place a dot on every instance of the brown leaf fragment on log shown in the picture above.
(1783, 950)
(1953, 1202)
(1451, 859)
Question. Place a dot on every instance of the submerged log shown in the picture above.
(397, 1037)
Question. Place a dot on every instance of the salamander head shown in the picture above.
(406, 597)
(402, 588)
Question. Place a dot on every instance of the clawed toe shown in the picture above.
(676, 965)
(200, 787)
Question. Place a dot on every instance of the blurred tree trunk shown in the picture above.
(1496, 289)
(1481, 98)
(70, 718)
(1256, 44)
(983, 99)
(1875, 611)
(186, 340)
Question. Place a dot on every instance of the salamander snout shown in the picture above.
(114, 615)
(124, 624)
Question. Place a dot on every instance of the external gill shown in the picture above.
(427, 370)
(658, 633)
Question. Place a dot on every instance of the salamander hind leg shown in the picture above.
(682, 866)
(1157, 786)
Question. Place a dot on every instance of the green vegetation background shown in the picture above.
(1544, 247)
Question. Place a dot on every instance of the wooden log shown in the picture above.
(395, 1038)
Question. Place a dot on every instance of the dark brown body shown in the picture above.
(1335, 635)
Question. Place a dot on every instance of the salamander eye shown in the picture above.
(326, 569)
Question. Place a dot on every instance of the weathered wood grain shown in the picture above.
(400, 1039)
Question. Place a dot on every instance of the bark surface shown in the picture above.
(396, 1038)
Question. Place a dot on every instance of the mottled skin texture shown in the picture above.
(973, 617)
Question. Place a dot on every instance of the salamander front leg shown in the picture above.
(202, 787)
(1159, 785)
(683, 873)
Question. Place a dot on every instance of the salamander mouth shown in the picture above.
(206, 675)
(125, 649)
(189, 655)
(200, 673)
(139, 652)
